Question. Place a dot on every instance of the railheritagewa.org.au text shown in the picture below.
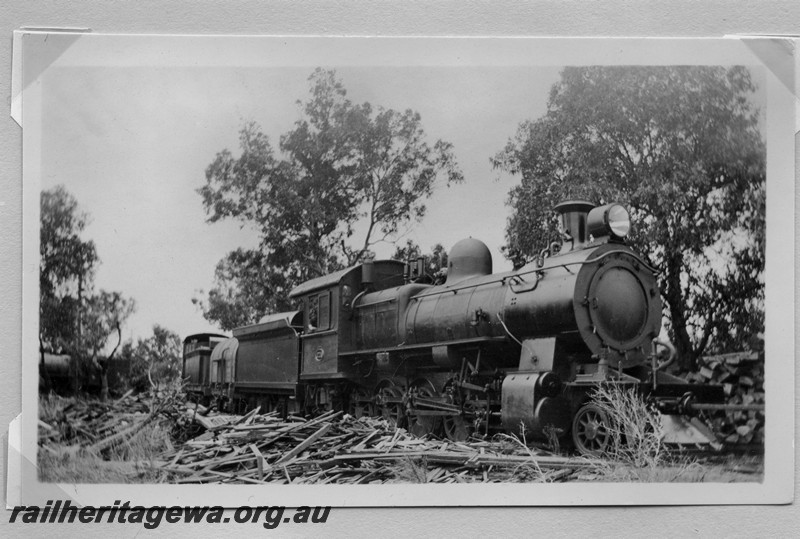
(270, 517)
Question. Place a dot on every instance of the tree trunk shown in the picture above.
(687, 359)
(104, 382)
(105, 365)
(80, 371)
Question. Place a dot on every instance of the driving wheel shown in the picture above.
(421, 424)
(391, 405)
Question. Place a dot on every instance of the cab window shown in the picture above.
(319, 311)
(313, 312)
(325, 310)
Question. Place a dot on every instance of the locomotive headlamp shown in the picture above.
(609, 219)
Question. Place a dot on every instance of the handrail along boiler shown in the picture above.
(519, 351)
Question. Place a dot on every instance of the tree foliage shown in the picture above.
(73, 318)
(681, 147)
(104, 313)
(103, 316)
(66, 269)
(160, 355)
(245, 288)
(342, 163)
(435, 261)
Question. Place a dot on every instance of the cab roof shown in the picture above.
(204, 337)
(333, 279)
(271, 322)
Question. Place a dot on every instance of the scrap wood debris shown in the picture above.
(336, 448)
(96, 425)
(741, 375)
(266, 448)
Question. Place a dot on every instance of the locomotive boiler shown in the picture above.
(474, 351)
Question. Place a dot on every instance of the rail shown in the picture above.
(698, 407)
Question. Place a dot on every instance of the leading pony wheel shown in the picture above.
(591, 431)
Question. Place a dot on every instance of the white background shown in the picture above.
(618, 18)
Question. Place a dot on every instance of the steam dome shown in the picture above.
(468, 258)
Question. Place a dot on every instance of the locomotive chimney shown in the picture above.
(420, 267)
(573, 223)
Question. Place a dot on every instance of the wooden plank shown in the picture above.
(259, 460)
(363, 443)
(259, 426)
(474, 459)
(393, 441)
(214, 422)
(247, 417)
(558, 475)
(234, 476)
(120, 436)
(177, 458)
(304, 445)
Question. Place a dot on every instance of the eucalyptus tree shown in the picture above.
(682, 148)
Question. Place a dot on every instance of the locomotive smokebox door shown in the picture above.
(617, 306)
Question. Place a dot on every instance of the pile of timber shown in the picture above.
(338, 448)
(741, 375)
(97, 425)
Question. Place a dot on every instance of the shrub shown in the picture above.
(635, 427)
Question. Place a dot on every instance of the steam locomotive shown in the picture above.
(478, 352)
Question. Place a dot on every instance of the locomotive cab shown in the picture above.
(329, 303)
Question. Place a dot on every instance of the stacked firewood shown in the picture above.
(741, 375)
(338, 448)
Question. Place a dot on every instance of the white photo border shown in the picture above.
(140, 50)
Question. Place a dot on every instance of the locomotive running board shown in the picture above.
(680, 430)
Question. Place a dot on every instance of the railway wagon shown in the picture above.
(196, 362)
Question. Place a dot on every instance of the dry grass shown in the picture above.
(680, 471)
(529, 472)
(637, 452)
(146, 445)
(79, 466)
(635, 428)
(411, 471)
(51, 406)
(52, 409)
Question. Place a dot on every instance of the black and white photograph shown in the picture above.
(372, 271)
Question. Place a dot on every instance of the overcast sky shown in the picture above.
(132, 145)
